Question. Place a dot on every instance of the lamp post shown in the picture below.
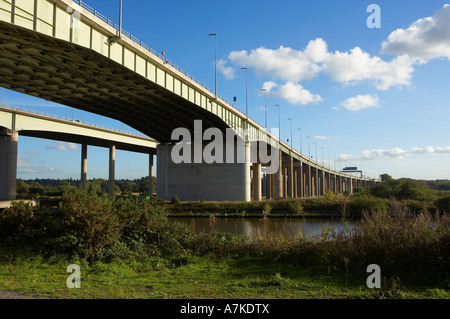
(323, 161)
(316, 151)
(301, 148)
(246, 95)
(309, 147)
(279, 122)
(291, 131)
(265, 107)
(120, 19)
(215, 63)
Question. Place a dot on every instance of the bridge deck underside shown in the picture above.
(68, 74)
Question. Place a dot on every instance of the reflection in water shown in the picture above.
(251, 227)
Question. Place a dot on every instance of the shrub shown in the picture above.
(25, 223)
(443, 204)
(369, 203)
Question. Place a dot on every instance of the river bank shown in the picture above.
(349, 207)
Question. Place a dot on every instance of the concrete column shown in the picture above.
(335, 184)
(268, 186)
(257, 182)
(150, 175)
(291, 177)
(323, 182)
(317, 183)
(83, 164)
(296, 183)
(300, 181)
(310, 188)
(285, 182)
(278, 179)
(112, 169)
(246, 171)
(8, 163)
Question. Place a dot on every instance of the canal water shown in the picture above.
(252, 227)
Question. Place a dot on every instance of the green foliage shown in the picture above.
(363, 202)
(443, 204)
(329, 193)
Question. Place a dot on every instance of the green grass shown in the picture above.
(191, 278)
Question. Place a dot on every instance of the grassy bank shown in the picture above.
(334, 207)
(128, 248)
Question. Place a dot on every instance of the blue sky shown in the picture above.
(376, 98)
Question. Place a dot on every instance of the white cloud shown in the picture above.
(384, 154)
(283, 63)
(268, 86)
(431, 150)
(228, 72)
(358, 66)
(426, 38)
(349, 68)
(25, 166)
(322, 137)
(295, 94)
(360, 102)
(63, 146)
(381, 154)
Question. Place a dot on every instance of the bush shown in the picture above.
(25, 223)
(364, 202)
(443, 204)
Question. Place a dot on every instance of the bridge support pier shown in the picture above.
(150, 175)
(278, 180)
(112, 169)
(257, 182)
(83, 164)
(192, 180)
(8, 163)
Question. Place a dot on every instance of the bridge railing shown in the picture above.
(146, 47)
(59, 117)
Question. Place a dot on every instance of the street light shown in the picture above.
(279, 122)
(316, 152)
(246, 94)
(329, 162)
(301, 150)
(309, 147)
(120, 19)
(323, 161)
(215, 63)
(265, 108)
(291, 132)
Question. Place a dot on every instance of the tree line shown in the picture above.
(27, 189)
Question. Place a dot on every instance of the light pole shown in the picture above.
(309, 147)
(316, 152)
(291, 132)
(265, 107)
(323, 161)
(246, 95)
(279, 122)
(120, 19)
(215, 63)
(301, 150)
(329, 162)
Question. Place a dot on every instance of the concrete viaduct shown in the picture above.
(14, 122)
(66, 52)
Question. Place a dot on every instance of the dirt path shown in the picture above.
(16, 295)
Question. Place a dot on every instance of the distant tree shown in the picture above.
(36, 189)
(22, 189)
(385, 177)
